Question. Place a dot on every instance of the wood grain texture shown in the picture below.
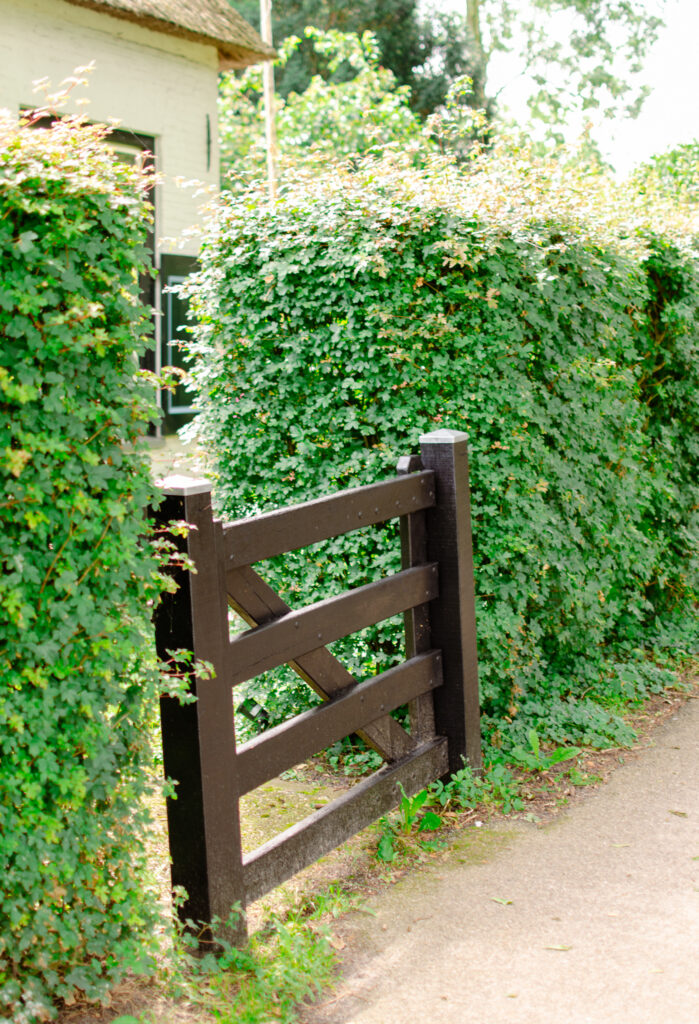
(284, 639)
(278, 749)
(199, 738)
(273, 533)
(452, 612)
(316, 835)
(418, 633)
(257, 603)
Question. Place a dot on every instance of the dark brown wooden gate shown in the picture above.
(438, 680)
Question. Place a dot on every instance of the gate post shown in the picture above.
(418, 636)
(452, 614)
(199, 737)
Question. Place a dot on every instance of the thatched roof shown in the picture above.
(204, 21)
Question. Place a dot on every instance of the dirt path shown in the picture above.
(591, 919)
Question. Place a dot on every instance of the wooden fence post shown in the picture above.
(418, 636)
(199, 738)
(452, 614)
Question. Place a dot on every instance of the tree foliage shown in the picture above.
(527, 302)
(577, 55)
(425, 53)
(675, 173)
(330, 120)
(76, 580)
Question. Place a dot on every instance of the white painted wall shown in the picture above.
(154, 83)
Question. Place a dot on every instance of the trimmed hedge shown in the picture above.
(526, 303)
(77, 677)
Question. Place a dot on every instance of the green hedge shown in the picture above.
(77, 679)
(526, 304)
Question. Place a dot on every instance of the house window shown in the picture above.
(177, 404)
(127, 147)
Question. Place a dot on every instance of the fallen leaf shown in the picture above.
(501, 899)
(561, 949)
(680, 814)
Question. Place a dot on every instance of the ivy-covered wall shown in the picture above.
(77, 681)
(529, 304)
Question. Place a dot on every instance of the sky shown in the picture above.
(670, 115)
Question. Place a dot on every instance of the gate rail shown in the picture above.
(438, 679)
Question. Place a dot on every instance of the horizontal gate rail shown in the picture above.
(438, 680)
(278, 749)
(278, 642)
(316, 835)
(274, 533)
(256, 603)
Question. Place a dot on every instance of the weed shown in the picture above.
(579, 778)
(406, 822)
(409, 813)
(433, 845)
(497, 788)
(386, 848)
(352, 757)
(533, 760)
(501, 789)
(288, 962)
(330, 902)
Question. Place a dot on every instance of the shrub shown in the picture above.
(527, 302)
(673, 173)
(77, 682)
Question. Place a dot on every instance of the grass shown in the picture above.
(283, 966)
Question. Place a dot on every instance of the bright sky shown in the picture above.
(670, 115)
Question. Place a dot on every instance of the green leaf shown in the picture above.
(26, 241)
(78, 574)
(429, 822)
(386, 851)
(561, 754)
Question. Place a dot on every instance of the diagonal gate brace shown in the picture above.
(257, 603)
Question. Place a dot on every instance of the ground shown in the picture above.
(590, 917)
(476, 839)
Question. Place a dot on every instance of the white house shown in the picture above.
(156, 69)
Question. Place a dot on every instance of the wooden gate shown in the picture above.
(438, 679)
